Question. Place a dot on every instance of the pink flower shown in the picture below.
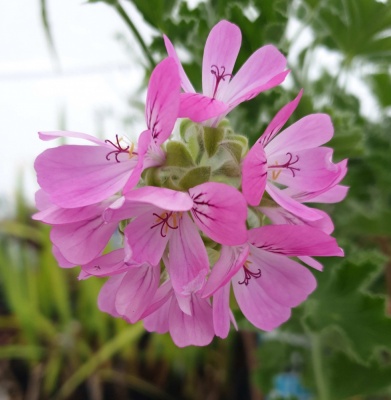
(76, 176)
(266, 283)
(160, 218)
(221, 90)
(292, 165)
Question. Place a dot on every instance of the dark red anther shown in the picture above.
(220, 76)
(287, 165)
(164, 220)
(249, 274)
(118, 149)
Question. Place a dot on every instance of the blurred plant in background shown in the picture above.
(56, 344)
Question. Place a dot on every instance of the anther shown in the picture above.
(287, 165)
(119, 149)
(220, 76)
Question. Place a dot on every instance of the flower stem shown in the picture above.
(317, 364)
(136, 33)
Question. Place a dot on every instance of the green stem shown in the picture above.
(136, 33)
(319, 371)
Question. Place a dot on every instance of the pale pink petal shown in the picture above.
(221, 311)
(294, 240)
(220, 211)
(109, 264)
(81, 242)
(261, 310)
(220, 52)
(311, 169)
(185, 83)
(78, 135)
(279, 120)
(254, 174)
(161, 110)
(42, 200)
(333, 195)
(136, 291)
(280, 216)
(309, 132)
(166, 199)
(311, 262)
(231, 260)
(199, 108)
(263, 70)
(108, 293)
(188, 263)
(195, 329)
(292, 205)
(285, 281)
(158, 321)
(148, 234)
(76, 176)
(61, 260)
(162, 296)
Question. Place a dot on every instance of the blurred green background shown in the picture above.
(56, 344)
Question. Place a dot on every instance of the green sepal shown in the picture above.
(212, 139)
(178, 155)
(242, 140)
(151, 177)
(234, 148)
(195, 177)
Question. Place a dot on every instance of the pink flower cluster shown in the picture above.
(190, 231)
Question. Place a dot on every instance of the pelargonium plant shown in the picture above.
(199, 212)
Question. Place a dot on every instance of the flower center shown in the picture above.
(288, 165)
(166, 220)
(220, 76)
(249, 274)
(119, 149)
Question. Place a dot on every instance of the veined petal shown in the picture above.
(195, 329)
(231, 260)
(263, 70)
(261, 310)
(185, 83)
(279, 120)
(292, 205)
(81, 242)
(76, 176)
(136, 291)
(198, 107)
(254, 174)
(220, 52)
(221, 312)
(109, 264)
(285, 281)
(188, 263)
(293, 240)
(309, 132)
(220, 211)
(162, 105)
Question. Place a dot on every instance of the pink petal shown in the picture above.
(166, 199)
(42, 200)
(294, 240)
(220, 52)
(292, 205)
(76, 176)
(162, 296)
(254, 174)
(185, 83)
(136, 291)
(221, 311)
(307, 133)
(78, 135)
(231, 260)
(108, 293)
(162, 105)
(311, 262)
(61, 260)
(279, 120)
(285, 281)
(188, 263)
(109, 264)
(158, 320)
(261, 310)
(81, 242)
(200, 108)
(195, 329)
(333, 195)
(263, 70)
(220, 211)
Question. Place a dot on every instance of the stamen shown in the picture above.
(164, 220)
(119, 149)
(249, 274)
(219, 76)
(288, 165)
